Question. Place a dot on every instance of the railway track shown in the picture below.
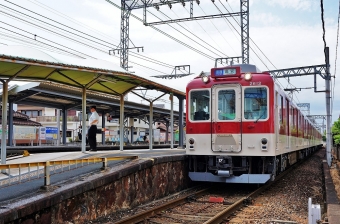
(210, 205)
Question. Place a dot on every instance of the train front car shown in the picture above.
(230, 134)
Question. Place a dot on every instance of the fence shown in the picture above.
(23, 172)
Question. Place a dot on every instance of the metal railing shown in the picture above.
(23, 172)
(54, 118)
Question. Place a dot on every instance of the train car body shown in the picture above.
(242, 128)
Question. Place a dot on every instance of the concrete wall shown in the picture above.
(121, 187)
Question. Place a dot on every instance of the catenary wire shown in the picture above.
(159, 62)
(164, 33)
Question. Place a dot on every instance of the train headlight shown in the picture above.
(191, 141)
(248, 76)
(205, 78)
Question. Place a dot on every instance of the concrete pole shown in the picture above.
(4, 121)
(328, 109)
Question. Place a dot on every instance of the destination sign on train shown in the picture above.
(220, 72)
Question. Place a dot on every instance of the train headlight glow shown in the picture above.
(205, 78)
(191, 141)
(248, 76)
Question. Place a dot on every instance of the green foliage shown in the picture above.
(336, 132)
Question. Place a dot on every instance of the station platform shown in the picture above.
(21, 183)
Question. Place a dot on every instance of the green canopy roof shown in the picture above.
(28, 64)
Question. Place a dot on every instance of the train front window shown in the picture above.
(255, 103)
(226, 104)
(200, 105)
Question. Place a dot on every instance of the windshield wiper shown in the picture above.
(260, 116)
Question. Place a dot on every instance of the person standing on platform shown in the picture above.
(92, 132)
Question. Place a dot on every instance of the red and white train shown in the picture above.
(242, 128)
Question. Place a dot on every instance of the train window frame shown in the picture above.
(200, 113)
(259, 115)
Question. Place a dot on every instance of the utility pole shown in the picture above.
(323, 71)
(328, 110)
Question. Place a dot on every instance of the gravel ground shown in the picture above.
(288, 199)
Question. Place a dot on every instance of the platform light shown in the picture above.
(248, 76)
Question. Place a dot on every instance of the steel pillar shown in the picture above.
(172, 121)
(150, 126)
(244, 8)
(83, 127)
(10, 123)
(4, 121)
(121, 124)
(180, 122)
(124, 35)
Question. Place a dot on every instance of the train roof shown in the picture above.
(247, 68)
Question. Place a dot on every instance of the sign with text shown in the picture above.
(51, 133)
(24, 132)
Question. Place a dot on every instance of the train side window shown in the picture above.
(199, 105)
(255, 103)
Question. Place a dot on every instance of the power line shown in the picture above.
(41, 42)
(164, 33)
(158, 62)
(336, 58)
(194, 36)
(218, 30)
(180, 31)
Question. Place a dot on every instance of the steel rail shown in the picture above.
(221, 216)
(146, 214)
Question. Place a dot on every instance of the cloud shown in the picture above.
(304, 5)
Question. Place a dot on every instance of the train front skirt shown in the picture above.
(244, 178)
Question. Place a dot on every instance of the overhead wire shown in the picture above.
(80, 52)
(166, 34)
(37, 45)
(240, 35)
(150, 59)
(204, 30)
(238, 22)
(181, 32)
(218, 30)
(70, 19)
(188, 30)
(336, 58)
(40, 42)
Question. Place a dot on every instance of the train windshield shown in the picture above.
(226, 104)
(255, 103)
(199, 105)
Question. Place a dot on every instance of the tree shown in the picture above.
(336, 132)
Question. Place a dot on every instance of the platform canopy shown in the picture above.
(18, 63)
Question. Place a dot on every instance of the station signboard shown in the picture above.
(51, 133)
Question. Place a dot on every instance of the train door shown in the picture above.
(226, 118)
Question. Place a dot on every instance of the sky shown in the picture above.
(283, 34)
